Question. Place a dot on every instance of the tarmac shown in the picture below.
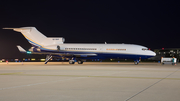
(91, 81)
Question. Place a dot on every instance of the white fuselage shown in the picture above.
(102, 50)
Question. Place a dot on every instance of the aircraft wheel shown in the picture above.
(80, 62)
(136, 62)
(71, 62)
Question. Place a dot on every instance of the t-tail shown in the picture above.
(36, 38)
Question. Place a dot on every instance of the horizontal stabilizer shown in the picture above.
(21, 49)
(20, 29)
(8, 28)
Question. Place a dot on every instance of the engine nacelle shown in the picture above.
(33, 49)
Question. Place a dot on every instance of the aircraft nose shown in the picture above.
(152, 53)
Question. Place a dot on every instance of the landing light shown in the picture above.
(42, 59)
(33, 59)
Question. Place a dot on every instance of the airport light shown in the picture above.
(42, 59)
(33, 59)
(16, 60)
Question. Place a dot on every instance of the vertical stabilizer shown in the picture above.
(36, 38)
(33, 36)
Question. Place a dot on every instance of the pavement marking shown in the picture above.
(22, 74)
(19, 73)
(22, 86)
(34, 84)
(16, 73)
(150, 86)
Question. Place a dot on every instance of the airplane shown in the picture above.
(55, 47)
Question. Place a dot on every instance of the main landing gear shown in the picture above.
(73, 61)
(80, 62)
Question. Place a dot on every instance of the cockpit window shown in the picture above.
(144, 49)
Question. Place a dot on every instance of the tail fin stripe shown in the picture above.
(34, 43)
(30, 41)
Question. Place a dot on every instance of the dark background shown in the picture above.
(154, 24)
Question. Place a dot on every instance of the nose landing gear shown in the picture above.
(136, 62)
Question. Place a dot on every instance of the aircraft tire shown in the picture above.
(136, 63)
(71, 62)
(80, 62)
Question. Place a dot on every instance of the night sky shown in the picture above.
(154, 24)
